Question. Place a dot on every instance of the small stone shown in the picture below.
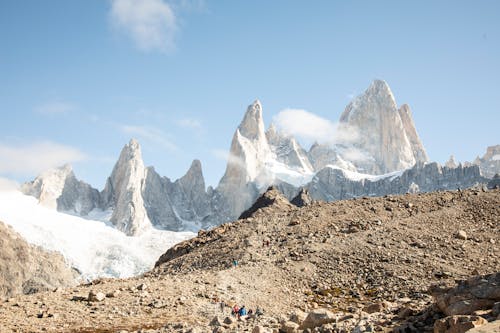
(112, 294)
(142, 286)
(461, 235)
(374, 307)
(96, 297)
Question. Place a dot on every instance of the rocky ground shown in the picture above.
(358, 265)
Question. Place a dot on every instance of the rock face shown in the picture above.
(123, 191)
(387, 140)
(245, 170)
(177, 205)
(331, 184)
(490, 162)
(288, 151)
(26, 269)
(59, 189)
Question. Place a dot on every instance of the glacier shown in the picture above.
(94, 248)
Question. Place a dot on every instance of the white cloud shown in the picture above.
(305, 125)
(190, 123)
(151, 24)
(30, 159)
(308, 127)
(54, 108)
(150, 134)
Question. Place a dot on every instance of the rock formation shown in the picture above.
(386, 136)
(123, 191)
(331, 184)
(288, 151)
(26, 269)
(176, 205)
(451, 163)
(59, 189)
(490, 162)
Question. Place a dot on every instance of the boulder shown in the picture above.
(317, 318)
(374, 307)
(458, 324)
(477, 293)
(289, 327)
(260, 329)
(215, 321)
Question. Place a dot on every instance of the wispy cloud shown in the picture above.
(308, 127)
(190, 123)
(225, 155)
(33, 158)
(152, 24)
(55, 108)
(150, 134)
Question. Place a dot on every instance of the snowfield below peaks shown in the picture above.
(94, 248)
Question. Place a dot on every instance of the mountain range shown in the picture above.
(375, 151)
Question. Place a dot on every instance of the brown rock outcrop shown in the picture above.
(26, 269)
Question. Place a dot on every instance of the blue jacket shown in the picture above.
(242, 312)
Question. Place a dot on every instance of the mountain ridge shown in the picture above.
(386, 142)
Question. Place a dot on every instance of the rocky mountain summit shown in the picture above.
(375, 151)
(425, 262)
(27, 269)
(386, 136)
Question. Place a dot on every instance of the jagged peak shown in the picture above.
(195, 169)
(131, 151)
(252, 125)
(133, 144)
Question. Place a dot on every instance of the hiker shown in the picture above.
(235, 262)
(242, 312)
(235, 310)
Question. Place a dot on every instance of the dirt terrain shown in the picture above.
(368, 261)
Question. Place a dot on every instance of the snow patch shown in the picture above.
(356, 176)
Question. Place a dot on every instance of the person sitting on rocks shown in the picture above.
(242, 312)
(235, 310)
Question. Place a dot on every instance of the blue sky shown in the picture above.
(78, 79)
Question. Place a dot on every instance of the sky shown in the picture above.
(78, 79)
